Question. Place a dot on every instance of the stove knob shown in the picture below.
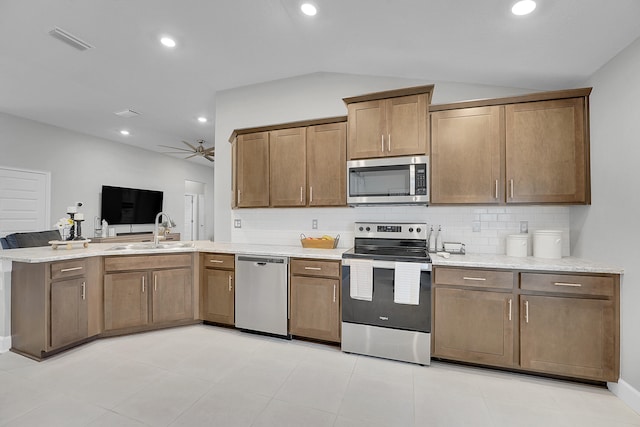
(418, 230)
(360, 228)
(368, 229)
(410, 230)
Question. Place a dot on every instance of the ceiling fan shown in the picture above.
(193, 150)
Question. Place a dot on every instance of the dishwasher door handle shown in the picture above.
(261, 264)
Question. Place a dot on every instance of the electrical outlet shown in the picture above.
(475, 226)
(524, 226)
(314, 224)
(237, 223)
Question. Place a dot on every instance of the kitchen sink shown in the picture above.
(151, 246)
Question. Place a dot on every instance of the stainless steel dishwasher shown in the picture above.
(262, 294)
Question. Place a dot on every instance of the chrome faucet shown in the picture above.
(156, 238)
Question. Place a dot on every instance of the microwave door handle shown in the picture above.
(412, 180)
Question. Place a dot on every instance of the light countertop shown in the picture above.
(566, 264)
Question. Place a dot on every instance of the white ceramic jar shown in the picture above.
(518, 245)
(547, 244)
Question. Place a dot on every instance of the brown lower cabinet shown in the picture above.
(217, 288)
(145, 291)
(55, 306)
(551, 323)
(315, 299)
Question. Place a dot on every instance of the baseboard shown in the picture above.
(626, 393)
(5, 344)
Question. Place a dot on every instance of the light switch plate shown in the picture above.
(237, 223)
(314, 224)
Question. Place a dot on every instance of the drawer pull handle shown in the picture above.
(511, 182)
(217, 261)
(155, 283)
(313, 268)
(66, 270)
(143, 284)
(510, 303)
(477, 279)
(334, 293)
(496, 189)
(310, 194)
(526, 311)
(84, 287)
(389, 143)
(229, 283)
(572, 285)
(382, 143)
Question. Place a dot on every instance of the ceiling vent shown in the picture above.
(69, 39)
(127, 114)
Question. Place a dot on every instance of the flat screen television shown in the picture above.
(130, 205)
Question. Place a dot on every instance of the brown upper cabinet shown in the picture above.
(251, 175)
(527, 149)
(390, 123)
(467, 159)
(305, 164)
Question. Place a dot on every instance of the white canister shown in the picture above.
(547, 244)
(518, 245)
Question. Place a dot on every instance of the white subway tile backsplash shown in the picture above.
(283, 226)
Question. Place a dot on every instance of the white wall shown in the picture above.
(608, 229)
(320, 95)
(80, 164)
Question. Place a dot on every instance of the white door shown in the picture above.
(188, 217)
(24, 201)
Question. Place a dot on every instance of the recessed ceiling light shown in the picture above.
(523, 7)
(168, 41)
(202, 119)
(308, 9)
(125, 132)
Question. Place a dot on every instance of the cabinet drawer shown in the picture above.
(474, 277)
(311, 267)
(73, 268)
(568, 283)
(225, 261)
(146, 262)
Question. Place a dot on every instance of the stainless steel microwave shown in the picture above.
(391, 180)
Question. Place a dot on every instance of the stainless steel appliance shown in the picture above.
(262, 294)
(381, 327)
(394, 180)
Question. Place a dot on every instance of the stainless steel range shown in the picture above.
(386, 288)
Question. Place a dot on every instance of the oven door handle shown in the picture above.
(390, 265)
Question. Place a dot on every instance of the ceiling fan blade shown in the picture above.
(208, 158)
(190, 146)
(193, 155)
(176, 148)
(209, 150)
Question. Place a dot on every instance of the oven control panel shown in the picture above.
(405, 230)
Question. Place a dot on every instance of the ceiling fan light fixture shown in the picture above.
(523, 7)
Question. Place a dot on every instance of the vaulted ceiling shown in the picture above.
(222, 44)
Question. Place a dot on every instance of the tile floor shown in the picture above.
(208, 376)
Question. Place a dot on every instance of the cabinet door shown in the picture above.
(467, 155)
(568, 336)
(218, 295)
(69, 313)
(406, 126)
(315, 308)
(288, 168)
(171, 295)
(474, 326)
(252, 172)
(126, 300)
(326, 164)
(547, 152)
(366, 126)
